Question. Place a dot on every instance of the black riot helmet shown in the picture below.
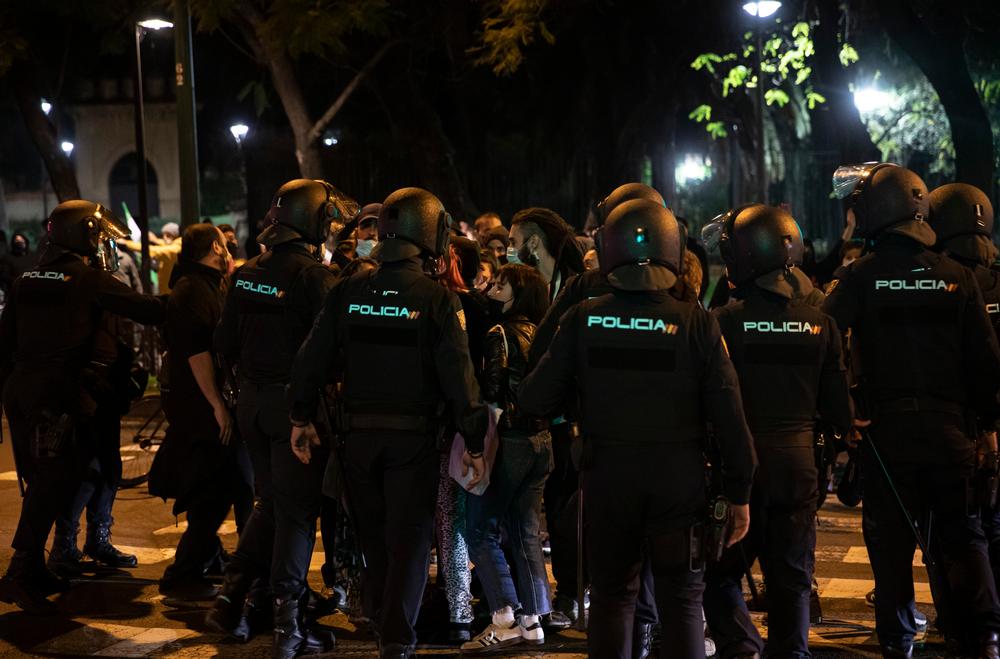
(624, 193)
(959, 209)
(754, 240)
(882, 196)
(86, 228)
(302, 209)
(641, 232)
(412, 222)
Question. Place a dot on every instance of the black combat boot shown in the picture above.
(990, 646)
(224, 616)
(291, 637)
(99, 548)
(258, 614)
(642, 640)
(23, 585)
(65, 558)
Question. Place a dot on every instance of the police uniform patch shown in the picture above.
(461, 318)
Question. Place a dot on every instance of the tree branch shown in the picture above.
(317, 129)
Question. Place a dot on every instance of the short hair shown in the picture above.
(531, 293)
(224, 227)
(197, 241)
(490, 258)
(492, 218)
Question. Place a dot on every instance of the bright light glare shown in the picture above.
(46, 107)
(692, 170)
(239, 131)
(67, 147)
(762, 9)
(330, 141)
(870, 99)
(155, 24)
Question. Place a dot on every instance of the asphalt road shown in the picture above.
(120, 613)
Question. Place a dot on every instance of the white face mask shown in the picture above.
(364, 248)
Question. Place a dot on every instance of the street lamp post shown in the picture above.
(760, 10)
(140, 147)
(239, 132)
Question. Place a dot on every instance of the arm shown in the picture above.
(543, 392)
(494, 378)
(566, 298)
(842, 300)
(456, 375)
(315, 360)
(118, 298)
(834, 399)
(720, 388)
(203, 368)
(226, 338)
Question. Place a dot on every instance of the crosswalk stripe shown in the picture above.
(838, 587)
(8, 476)
(145, 643)
(860, 555)
(228, 528)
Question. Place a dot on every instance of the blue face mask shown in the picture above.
(512, 256)
(364, 248)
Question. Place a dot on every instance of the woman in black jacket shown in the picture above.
(523, 461)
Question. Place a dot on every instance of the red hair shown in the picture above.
(451, 278)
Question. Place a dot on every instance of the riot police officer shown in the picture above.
(647, 368)
(56, 394)
(927, 362)
(788, 356)
(396, 337)
(270, 309)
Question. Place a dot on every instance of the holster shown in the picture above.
(718, 528)
(54, 436)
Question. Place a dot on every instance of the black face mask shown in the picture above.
(19, 249)
(525, 256)
(233, 249)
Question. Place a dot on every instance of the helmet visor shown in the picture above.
(847, 178)
(346, 207)
(107, 255)
(711, 233)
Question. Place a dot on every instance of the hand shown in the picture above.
(478, 466)
(303, 439)
(854, 436)
(741, 522)
(225, 423)
(850, 224)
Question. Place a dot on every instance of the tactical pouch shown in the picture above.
(718, 529)
(54, 436)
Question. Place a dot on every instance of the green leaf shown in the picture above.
(813, 99)
(803, 74)
(701, 113)
(772, 96)
(706, 61)
(848, 55)
(735, 78)
(800, 29)
(716, 129)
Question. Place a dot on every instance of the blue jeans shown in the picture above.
(513, 500)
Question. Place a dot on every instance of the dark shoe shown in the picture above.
(989, 648)
(51, 583)
(257, 618)
(99, 548)
(22, 587)
(189, 589)
(815, 610)
(567, 606)
(226, 611)
(395, 651)
(292, 638)
(642, 641)
(318, 606)
(459, 632)
(920, 619)
(891, 651)
(556, 621)
(65, 558)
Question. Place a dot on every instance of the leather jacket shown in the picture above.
(505, 364)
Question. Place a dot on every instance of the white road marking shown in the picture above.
(144, 643)
(228, 528)
(860, 555)
(857, 589)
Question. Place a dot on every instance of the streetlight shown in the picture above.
(870, 99)
(67, 148)
(760, 10)
(46, 107)
(154, 24)
(239, 131)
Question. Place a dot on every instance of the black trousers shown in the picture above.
(930, 460)
(207, 506)
(783, 536)
(393, 482)
(560, 512)
(636, 497)
(278, 540)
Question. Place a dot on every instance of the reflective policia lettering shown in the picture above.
(639, 324)
(383, 310)
(916, 285)
(789, 326)
(53, 276)
(261, 289)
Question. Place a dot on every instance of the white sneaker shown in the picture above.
(531, 629)
(709, 647)
(494, 637)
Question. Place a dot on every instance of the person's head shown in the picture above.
(488, 268)
(449, 271)
(85, 228)
(962, 217)
(623, 193)
(19, 244)
(484, 224)
(886, 198)
(230, 235)
(302, 210)
(170, 232)
(591, 261)
(205, 244)
(497, 241)
(641, 246)
(851, 251)
(368, 222)
(521, 291)
(412, 223)
(540, 234)
(756, 239)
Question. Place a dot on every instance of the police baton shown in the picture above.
(346, 491)
(899, 500)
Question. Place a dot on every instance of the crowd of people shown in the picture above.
(485, 392)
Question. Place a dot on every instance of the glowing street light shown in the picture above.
(239, 131)
(46, 107)
(692, 169)
(762, 9)
(870, 99)
(155, 24)
(330, 141)
(67, 147)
